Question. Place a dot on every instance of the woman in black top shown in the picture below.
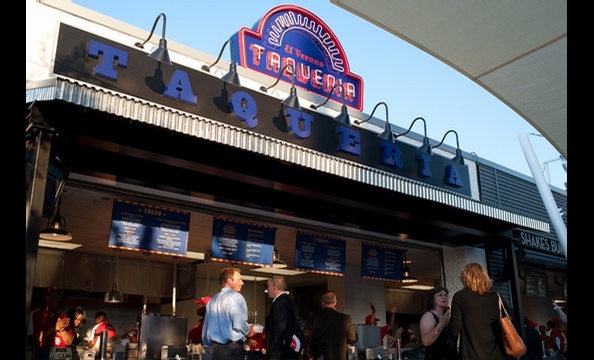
(434, 326)
(475, 316)
(77, 317)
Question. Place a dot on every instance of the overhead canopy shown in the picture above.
(516, 50)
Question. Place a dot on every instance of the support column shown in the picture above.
(454, 259)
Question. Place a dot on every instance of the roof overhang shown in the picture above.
(85, 96)
(516, 50)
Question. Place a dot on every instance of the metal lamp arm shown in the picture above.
(373, 112)
(266, 88)
(313, 106)
(411, 125)
(444, 136)
(207, 68)
(141, 45)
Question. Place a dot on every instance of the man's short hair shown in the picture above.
(329, 297)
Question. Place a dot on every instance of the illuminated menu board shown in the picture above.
(320, 254)
(158, 230)
(241, 242)
(535, 284)
(381, 262)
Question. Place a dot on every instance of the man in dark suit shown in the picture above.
(329, 332)
(282, 314)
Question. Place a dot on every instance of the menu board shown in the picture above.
(381, 262)
(158, 230)
(320, 254)
(242, 242)
(535, 284)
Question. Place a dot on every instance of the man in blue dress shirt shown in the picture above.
(225, 324)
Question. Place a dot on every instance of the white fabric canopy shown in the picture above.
(516, 50)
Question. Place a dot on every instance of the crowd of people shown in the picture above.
(49, 327)
(465, 329)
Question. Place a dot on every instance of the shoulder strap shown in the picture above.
(435, 317)
(502, 307)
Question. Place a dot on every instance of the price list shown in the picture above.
(159, 230)
(320, 254)
(381, 263)
(245, 243)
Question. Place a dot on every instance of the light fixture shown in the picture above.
(458, 158)
(277, 271)
(114, 296)
(406, 278)
(231, 77)
(58, 245)
(292, 100)
(418, 287)
(425, 148)
(161, 54)
(255, 278)
(387, 133)
(343, 117)
(277, 263)
(195, 255)
(55, 230)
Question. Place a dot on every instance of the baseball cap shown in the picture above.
(51, 290)
(532, 324)
(203, 300)
(368, 319)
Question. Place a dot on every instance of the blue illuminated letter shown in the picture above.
(391, 155)
(110, 55)
(244, 107)
(424, 160)
(349, 140)
(299, 123)
(179, 88)
(453, 176)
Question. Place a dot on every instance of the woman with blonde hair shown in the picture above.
(475, 316)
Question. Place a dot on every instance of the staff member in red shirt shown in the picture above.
(195, 334)
(49, 327)
(101, 324)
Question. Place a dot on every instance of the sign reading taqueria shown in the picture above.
(95, 60)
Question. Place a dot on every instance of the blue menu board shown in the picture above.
(320, 254)
(381, 262)
(240, 242)
(158, 230)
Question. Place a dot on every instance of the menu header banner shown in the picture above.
(241, 242)
(146, 227)
(381, 262)
(320, 254)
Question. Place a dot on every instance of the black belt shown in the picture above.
(229, 342)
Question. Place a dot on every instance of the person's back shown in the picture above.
(475, 316)
(533, 343)
(329, 332)
(281, 316)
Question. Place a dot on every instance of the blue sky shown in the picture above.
(409, 80)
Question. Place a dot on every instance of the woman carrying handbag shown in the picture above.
(475, 316)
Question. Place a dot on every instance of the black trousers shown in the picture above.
(229, 351)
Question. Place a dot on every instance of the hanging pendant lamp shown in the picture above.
(114, 296)
(55, 230)
(406, 277)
